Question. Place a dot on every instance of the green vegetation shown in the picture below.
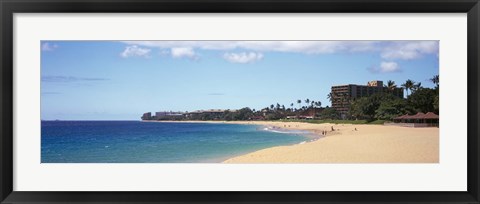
(385, 106)
(380, 106)
(374, 109)
(408, 85)
(338, 121)
(329, 114)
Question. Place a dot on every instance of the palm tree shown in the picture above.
(408, 85)
(271, 106)
(307, 101)
(435, 80)
(312, 103)
(299, 102)
(391, 85)
(330, 97)
(416, 86)
(291, 105)
(318, 104)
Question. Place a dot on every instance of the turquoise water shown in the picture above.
(147, 142)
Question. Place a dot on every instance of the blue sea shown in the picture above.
(151, 142)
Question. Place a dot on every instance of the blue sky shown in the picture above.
(114, 80)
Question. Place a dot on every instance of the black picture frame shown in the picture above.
(10, 7)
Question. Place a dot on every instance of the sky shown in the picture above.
(121, 80)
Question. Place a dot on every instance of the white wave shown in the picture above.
(278, 131)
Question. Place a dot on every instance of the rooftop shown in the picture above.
(419, 115)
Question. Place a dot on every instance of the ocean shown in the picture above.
(151, 142)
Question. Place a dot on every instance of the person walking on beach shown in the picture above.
(333, 129)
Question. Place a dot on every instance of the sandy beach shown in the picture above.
(366, 144)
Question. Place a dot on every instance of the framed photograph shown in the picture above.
(239, 101)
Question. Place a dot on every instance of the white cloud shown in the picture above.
(49, 47)
(385, 67)
(206, 45)
(388, 51)
(243, 57)
(307, 47)
(135, 51)
(409, 50)
(183, 52)
(405, 50)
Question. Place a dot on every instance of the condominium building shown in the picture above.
(168, 115)
(342, 95)
(147, 116)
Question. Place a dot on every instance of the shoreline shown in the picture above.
(274, 124)
(296, 125)
(268, 124)
(349, 143)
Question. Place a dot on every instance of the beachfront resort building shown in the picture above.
(168, 115)
(342, 95)
(211, 114)
(147, 116)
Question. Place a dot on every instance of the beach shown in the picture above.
(351, 144)
(348, 143)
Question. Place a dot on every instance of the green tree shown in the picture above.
(244, 114)
(408, 85)
(228, 115)
(377, 106)
(391, 108)
(329, 113)
(422, 100)
(435, 80)
(436, 105)
(330, 97)
(416, 86)
(391, 86)
(364, 108)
